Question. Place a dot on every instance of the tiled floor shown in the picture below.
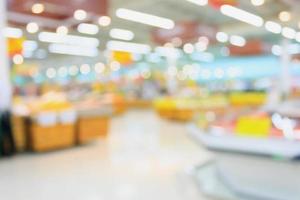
(144, 158)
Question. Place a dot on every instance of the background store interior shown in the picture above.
(160, 99)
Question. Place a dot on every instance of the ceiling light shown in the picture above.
(18, 59)
(289, 33)
(85, 69)
(199, 2)
(80, 15)
(73, 70)
(62, 71)
(104, 21)
(32, 27)
(51, 73)
(121, 34)
(291, 49)
(257, 2)
(11, 32)
(145, 18)
(115, 66)
(188, 48)
(99, 68)
(177, 41)
(37, 8)
(200, 46)
(242, 15)
(68, 39)
(285, 16)
(89, 29)
(30, 45)
(62, 30)
(73, 50)
(128, 47)
(204, 40)
(222, 37)
(273, 27)
(237, 40)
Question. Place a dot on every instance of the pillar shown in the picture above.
(5, 84)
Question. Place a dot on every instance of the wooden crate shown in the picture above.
(139, 103)
(184, 115)
(166, 113)
(90, 128)
(43, 138)
(120, 108)
(19, 129)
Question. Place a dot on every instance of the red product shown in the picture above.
(219, 3)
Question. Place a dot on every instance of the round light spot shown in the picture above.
(104, 21)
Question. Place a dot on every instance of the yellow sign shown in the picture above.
(247, 98)
(124, 58)
(251, 126)
(15, 46)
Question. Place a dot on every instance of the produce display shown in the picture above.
(55, 121)
(259, 124)
(184, 108)
(252, 150)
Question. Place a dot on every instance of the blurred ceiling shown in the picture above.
(60, 12)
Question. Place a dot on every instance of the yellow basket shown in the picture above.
(90, 128)
(139, 103)
(44, 138)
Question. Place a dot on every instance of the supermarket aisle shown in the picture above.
(144, 158)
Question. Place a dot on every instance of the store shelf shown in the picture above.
(207, 179)
(258, 178)
(268, 147)
(217, 185)
(240, 168)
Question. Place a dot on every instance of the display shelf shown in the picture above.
(269, 147)
(205, 176)
(257, 177)
(217, 185)
(240, 167)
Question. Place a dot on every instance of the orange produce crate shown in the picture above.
(90, 128)
(184, 115)
(46, 138)
(19, 132)
(120, 108)
(139, 103)
(166, 113)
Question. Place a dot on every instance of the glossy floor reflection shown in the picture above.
(143, 158)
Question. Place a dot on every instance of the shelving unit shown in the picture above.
(246, 168)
